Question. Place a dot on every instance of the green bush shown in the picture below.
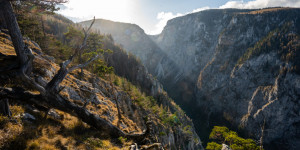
(122, 139)
(162, 134)
(170, 120)
(94, 142)
(213, 146)
(188, 130)
(220, 135)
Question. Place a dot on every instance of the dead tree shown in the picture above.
(49, 96)
(81, 48)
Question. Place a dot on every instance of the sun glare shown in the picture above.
(117, 10)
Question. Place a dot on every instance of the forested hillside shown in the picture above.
(111, 103)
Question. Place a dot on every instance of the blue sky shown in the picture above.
(152, 15)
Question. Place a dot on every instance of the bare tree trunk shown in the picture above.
(2, 20)
(4, 108)
(11, 23)
(15, 33)
(53, 85)
(81, 75)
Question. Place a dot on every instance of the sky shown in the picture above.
(152, 15)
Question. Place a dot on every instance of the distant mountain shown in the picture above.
(231, 67)
(135, 41)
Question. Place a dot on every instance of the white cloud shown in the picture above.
(116, 10)
(200, 9)
(261, 4)
(164, 17)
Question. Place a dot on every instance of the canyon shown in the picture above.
(238, 68)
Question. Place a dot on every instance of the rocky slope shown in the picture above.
(173, 129)
(233, 67)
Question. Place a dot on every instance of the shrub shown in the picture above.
(213, 146)
(162, 134)
(122, 139)
(170, 119)
(221, 135)
(188, 130)
(94, 142)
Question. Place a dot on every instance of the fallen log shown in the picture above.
(58, 102)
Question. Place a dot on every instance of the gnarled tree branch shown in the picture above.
(53, 85)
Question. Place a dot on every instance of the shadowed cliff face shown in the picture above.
(231, 67)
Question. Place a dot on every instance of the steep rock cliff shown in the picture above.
(248, 69)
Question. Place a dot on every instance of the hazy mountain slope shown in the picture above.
(135, 41)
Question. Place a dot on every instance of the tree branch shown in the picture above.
(83, 65)
(86, 35)
(53, 85)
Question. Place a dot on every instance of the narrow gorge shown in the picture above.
(238, 68)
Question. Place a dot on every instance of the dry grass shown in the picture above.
(6, 47)
(10, 128)
(267, 10)
(51, 134)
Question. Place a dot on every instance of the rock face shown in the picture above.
(230, 67)
(245, 76)
(252, 80)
